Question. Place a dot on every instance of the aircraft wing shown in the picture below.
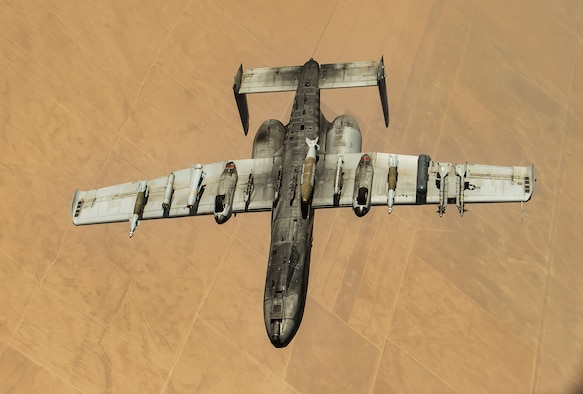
(253, 191)
(420, 180)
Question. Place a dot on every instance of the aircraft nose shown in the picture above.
(282, 332)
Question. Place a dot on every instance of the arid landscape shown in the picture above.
(100, 93)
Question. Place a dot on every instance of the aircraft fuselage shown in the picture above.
(292, 220)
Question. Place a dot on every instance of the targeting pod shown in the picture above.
(138, 206)
(460, 170)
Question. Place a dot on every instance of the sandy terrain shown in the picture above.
(93, 94)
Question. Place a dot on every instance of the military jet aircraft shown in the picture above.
(296, 168)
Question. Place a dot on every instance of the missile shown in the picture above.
(196, 177)
(461, 170)
(309, 170)
(138, 206)
(443, 173)
(133, 223)
(338, 180)
(392, 181)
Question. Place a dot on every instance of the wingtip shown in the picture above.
(532, 183)
(75, 206)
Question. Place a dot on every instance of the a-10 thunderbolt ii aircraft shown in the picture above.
(296, 168)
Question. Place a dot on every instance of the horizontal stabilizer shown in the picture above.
(332, 76)
(271, 79)
(285, 79)
(348, 75)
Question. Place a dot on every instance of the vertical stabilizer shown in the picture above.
(382, 84)
(241, 99)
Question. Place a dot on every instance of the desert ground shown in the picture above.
(99, 93)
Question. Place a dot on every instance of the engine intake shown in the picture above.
(343, 136)
(269, 139)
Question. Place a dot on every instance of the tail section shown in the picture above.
(331, 76)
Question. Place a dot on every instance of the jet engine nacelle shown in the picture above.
(343, 136)
(362, 186)
(269, 139)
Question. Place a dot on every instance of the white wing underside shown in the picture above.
(482, 184)
(116, 203)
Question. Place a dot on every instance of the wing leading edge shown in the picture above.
(229, 186)
(416, 180)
